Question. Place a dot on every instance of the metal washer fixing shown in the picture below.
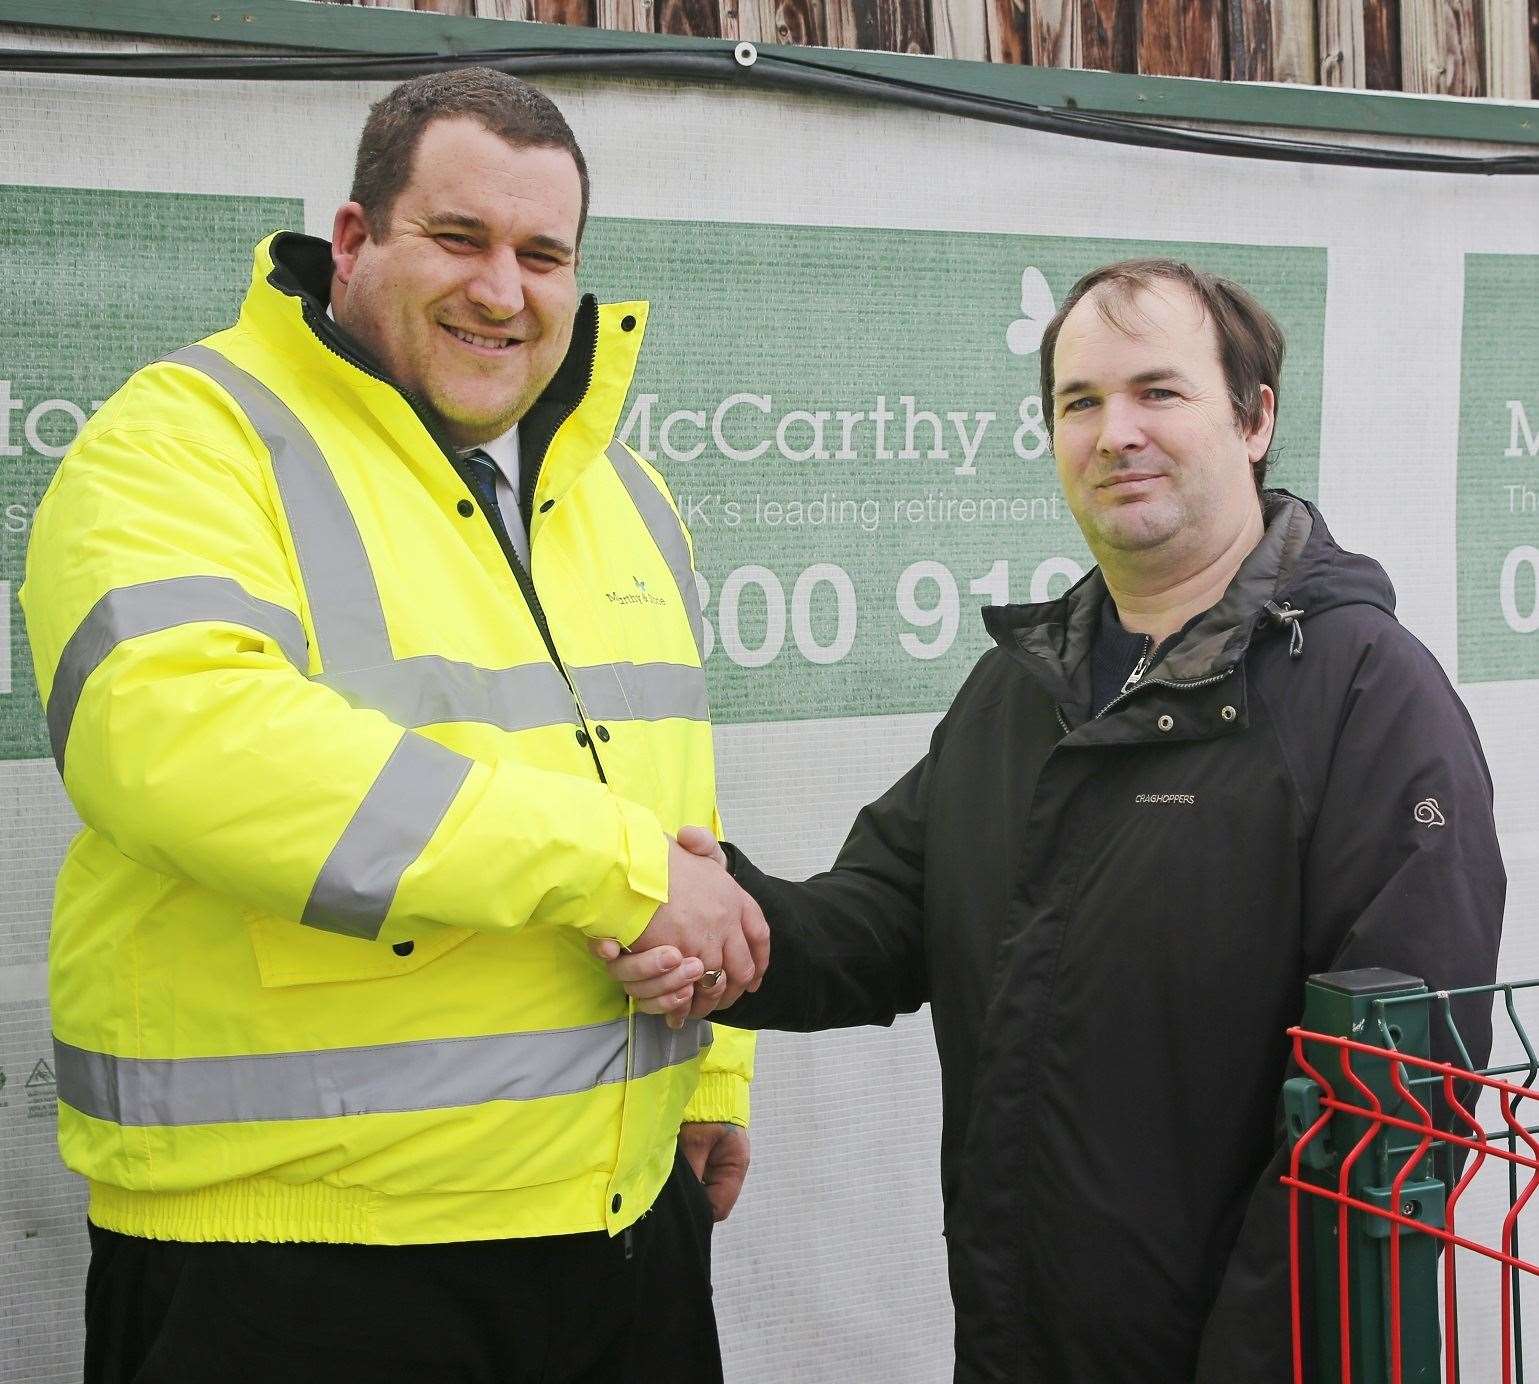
(745, 54)
(1166, 722)
(1228, 713)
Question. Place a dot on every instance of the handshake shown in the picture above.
(703, 948)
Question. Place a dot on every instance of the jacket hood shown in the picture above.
(1294, 573)
(1326, 575)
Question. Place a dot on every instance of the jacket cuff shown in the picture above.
(720, 1098)
(646, 872)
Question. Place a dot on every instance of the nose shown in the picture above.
(498, 286)
(1121, 427)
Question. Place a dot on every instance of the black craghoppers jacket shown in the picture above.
(1112, 919)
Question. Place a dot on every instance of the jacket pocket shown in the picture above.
(291, 954)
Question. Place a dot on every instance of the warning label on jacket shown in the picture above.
(93, 284)
(1498, 560)
(851, 421)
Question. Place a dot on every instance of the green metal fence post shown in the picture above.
(1347, 1004)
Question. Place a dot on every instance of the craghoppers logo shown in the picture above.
(1177, 799)
(1429, 814)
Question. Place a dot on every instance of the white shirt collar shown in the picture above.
(504, 452)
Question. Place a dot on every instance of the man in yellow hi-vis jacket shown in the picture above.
(373, 666)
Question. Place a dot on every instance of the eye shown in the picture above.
(1159, 393)
(1078, 405)
(453, 240)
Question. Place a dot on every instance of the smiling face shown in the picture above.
(1151, 456)
(468, 293)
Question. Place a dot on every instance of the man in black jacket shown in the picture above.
(1214, 767)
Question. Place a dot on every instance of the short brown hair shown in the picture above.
(509, 108)
(1250, 343)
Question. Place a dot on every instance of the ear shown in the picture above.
(1259, 438)
(349, 231)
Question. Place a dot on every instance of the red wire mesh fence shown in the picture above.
(1387, 1143)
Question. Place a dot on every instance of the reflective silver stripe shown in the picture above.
(344, 601)
(394, 822)
(642, 691)
(148, 608)
(435, 1074)
(667, 531)
(429, 690)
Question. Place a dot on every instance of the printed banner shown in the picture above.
(97, 283)
(1499, 470)
(850, 419)
(852, 423)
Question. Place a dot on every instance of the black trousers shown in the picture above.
(563, 1309)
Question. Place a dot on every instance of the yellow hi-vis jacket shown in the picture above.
(319, 966)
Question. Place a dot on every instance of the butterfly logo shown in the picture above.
(1024, 335)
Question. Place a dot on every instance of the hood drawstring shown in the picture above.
(1285, 614)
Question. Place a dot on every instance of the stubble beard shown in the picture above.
(464, 423)
(412, 370)
(470, 430)
(1134, 528)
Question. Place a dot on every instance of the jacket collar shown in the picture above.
(1053, 638)
(290, 290)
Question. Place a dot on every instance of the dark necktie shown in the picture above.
(481, 475)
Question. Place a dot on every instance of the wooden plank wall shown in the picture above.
(1447, 47)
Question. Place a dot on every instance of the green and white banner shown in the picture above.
(852, 423)
(841, 384)
(860, 472)
(1499, 470)
(96, 283)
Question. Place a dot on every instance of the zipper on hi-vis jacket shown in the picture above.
(1141, 667)
(521, 574)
